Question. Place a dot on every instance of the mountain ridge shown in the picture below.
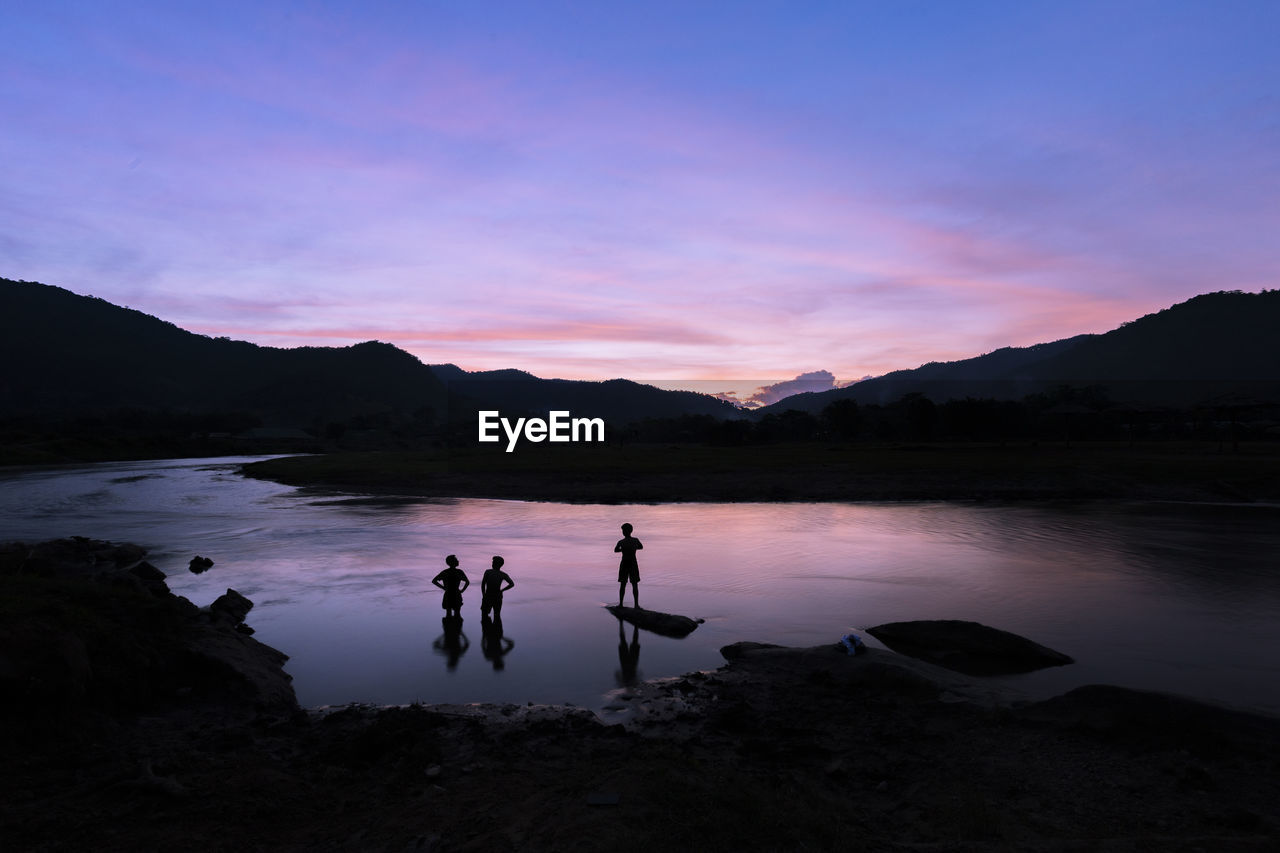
(1210, 345)
(82, 354)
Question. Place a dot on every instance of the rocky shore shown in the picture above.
(137, 720)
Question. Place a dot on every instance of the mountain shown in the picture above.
(1209, 347)
(616, 400)
(79, 355)
(70, 356)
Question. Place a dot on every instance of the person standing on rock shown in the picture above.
(628, 568)
(453, 581)
(491, 589)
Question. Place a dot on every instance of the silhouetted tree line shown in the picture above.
(124, 433)
(131, 420)
(1063, 414)
(416, 428)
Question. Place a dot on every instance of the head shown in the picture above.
(451, 561)
(626, 529)
(497, 562)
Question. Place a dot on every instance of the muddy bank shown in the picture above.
(777, 749)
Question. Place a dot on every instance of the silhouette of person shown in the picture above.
(452, 643)
(491, 588)
(628, 656)
(453, 581)
(628, 568)
(493, 645)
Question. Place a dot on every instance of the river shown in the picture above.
(1175, 597)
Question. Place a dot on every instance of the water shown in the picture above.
(1157, 596)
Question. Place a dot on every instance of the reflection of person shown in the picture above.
(628, 568)
(492, 643)
(453, 581)
(628, 656)
(491, 589)
(452, 643)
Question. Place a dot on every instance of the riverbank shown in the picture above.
(801, 472)
(777, 749)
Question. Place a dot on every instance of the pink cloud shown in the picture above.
(646, 333)
(504, 204)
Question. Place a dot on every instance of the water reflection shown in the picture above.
(628, 672)
(452, 643)
(1167, 597)
(493, 643)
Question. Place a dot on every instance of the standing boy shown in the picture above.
(628, 568)
(491, 589)
(453, 581)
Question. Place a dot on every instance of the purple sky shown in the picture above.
(652, 190)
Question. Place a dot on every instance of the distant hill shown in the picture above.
(618, 401)
(78, 355)
(70, 356)
(1211, 346)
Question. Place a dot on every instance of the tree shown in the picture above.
(843, 419)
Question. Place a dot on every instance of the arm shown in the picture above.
(510, 583)
(466, 582)
(437, 580)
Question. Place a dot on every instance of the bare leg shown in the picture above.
(622, 591)
(635, 594)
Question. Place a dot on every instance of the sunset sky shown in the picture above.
(653, 190)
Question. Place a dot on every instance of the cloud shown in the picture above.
(559, 193)
(562, 333)
(813, 381)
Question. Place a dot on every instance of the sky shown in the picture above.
(659, 191)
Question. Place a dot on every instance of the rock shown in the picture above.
(967, 647)
(733, 651)
(147, 572)
(232, 606)
(90, 639)
(151, 577)
(199, 564)
(148, 780)
(1157, 720)
(232, 668)
(666, 624)
(126, 554)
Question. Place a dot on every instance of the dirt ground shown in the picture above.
(780, 749)
(134, 720)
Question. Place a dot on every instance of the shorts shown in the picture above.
(629, 573)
